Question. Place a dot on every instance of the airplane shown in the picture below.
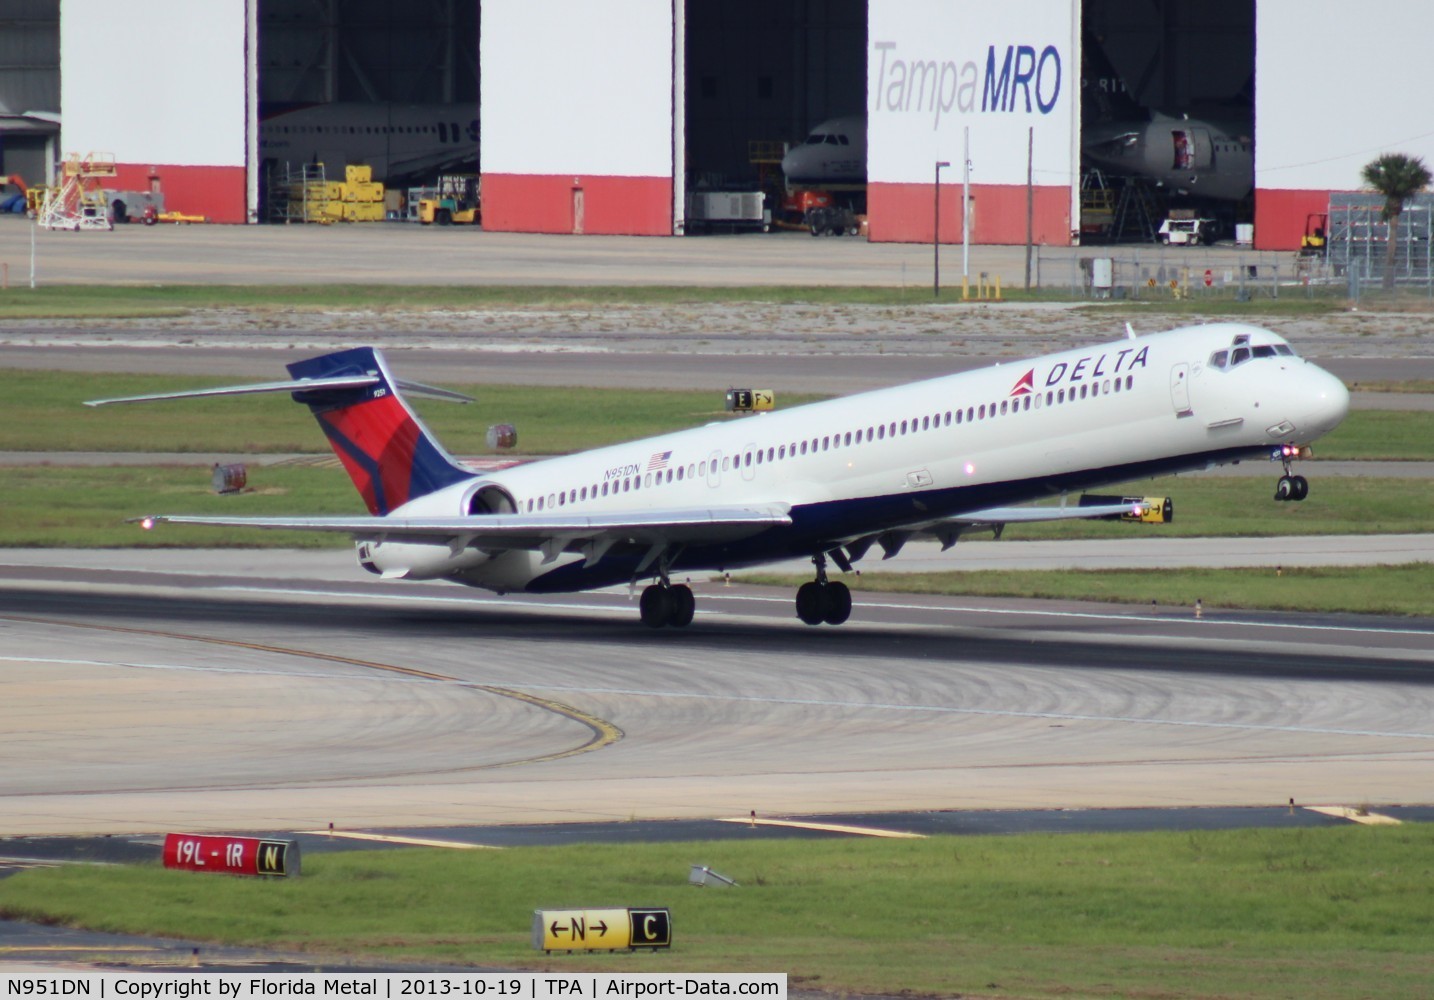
(833, 154)
(1189, 156)
(826, 480)
(397, 140)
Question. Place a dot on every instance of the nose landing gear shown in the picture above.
(1291, 487)
(822, 601)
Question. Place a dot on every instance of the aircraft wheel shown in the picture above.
(1285, 488)
(836, 603)
(1299, 487)
(655, 607)
(809, 603)
(681, 605)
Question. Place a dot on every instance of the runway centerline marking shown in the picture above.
(389, 838)
(1364, 817)
(858, 831)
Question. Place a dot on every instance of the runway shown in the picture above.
(201, 692)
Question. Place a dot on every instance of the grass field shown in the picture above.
(1376, 590)
(96, 301)
(1333, 913)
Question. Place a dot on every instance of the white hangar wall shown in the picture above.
(578, 115)
(1334, 88)
(938, 67)
(167, 87)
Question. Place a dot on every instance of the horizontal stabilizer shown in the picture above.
(295, 385)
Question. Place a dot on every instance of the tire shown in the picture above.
(1284, 489)
(809, 603)
(816, 230)
(1299, 488)
(655, 607)
(443, 217)
(681, 606)
(119, 212)
(836, 603)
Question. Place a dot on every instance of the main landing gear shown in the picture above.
(667, 604)
(1291, 487)
(822, 600)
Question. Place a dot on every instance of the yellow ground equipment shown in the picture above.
(455, 201)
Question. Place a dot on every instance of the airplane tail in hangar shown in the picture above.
(387, 451)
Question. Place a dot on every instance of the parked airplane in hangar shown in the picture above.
(1189, 156)
(832, 155)
(828, 480)
(396, 140)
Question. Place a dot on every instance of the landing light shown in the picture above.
(970, 469)
(147, 524)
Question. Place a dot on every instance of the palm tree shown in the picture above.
(1397, 176)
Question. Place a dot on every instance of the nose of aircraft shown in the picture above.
(1325, 402)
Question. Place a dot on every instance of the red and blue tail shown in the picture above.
(388, 452)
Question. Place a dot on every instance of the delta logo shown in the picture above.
(1025, 384)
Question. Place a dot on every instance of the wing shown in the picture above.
(552, 534)
(947, 530)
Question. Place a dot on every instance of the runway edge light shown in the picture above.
(602, 930)
(225, 855)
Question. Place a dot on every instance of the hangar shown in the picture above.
(600, 118)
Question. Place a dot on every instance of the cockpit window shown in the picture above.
(1264, 350)
(1284, 350)
(832, 141)
(1239, 356)
(816, 139)
(1218, 359)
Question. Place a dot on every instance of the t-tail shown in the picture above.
(388, 452)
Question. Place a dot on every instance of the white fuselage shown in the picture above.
(858, 465)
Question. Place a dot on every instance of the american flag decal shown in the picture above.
(658, 462)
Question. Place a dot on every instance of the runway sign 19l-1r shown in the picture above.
(602, 930)
(230, 855)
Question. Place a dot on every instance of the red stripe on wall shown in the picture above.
(903, 213)
(217, 193)
(1280, 216)
(572, 203)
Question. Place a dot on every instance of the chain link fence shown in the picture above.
(1156, 275)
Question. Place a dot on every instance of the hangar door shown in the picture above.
(577, 106)
(167, 87)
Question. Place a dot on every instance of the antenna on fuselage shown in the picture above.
(1129, 331)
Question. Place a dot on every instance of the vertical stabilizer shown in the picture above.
(388, 452)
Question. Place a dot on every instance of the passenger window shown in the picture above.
(702, 470)
(826, 442)
(804, 447)
(881, 432)
(958, 416)
(726, 463)
(1129, 381)
(1003, 407)
(846, 440)
(1060, 395)
(981, 413)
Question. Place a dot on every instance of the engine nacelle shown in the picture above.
(438, 558)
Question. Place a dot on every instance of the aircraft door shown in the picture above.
(749, 462)
(714, 469)
(1204, 148)
(1180, 390)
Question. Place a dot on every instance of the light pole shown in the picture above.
(936, 233)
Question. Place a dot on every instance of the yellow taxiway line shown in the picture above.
(388, 838)
(859, 831)
(1355, 815)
